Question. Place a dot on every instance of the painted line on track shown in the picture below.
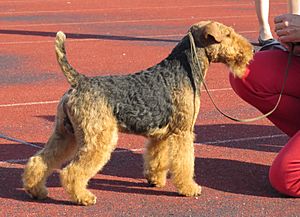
(28, 103)
(131, 21)
(133, 8)
(12, 12)
(141, 149)
(243, 139)
(56, 101)
(12, 161)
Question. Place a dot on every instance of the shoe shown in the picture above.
(272, 45)
(262, 42)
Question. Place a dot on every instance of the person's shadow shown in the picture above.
(223, 175)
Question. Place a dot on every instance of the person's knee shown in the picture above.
(241, 88)
(285, 177)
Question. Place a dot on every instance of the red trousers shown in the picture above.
(261, 88)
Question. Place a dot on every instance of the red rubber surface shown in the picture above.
(121, 37)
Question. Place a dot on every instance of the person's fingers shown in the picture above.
(287, 38)
(280, 18)
(284, 39)
(281, 25)
(282, 32)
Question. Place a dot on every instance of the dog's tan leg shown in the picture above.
(156, 162)
(59, 148)
(182, 163)
(95, 150)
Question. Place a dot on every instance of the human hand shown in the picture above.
(287, 28)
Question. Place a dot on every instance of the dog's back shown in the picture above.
(141, 102)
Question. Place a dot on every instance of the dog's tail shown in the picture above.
(71, 74)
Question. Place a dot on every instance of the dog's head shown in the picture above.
(223, 44)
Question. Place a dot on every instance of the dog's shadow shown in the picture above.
(12, 187)
(220, 174)
(223, 175)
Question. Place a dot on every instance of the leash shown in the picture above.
(194, 53)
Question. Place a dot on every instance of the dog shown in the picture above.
(160, 103)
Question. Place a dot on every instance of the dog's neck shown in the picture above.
(199, 63)
(187, 61)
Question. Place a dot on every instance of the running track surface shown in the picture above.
(121, 37)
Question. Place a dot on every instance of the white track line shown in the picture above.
(56, 101)
(134, 8)
(126, 8)
(129, 21)
(243, 139)
(40, 147)
(142, 149)
(28, 103)
(26, 1)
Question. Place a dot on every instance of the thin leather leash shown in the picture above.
(194, 53)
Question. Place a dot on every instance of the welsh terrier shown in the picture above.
(160, 103)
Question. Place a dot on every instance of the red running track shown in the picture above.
(121, 37)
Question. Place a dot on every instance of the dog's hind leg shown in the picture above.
(60, 147)
(96, 142)
(156, 162)
(182, 163)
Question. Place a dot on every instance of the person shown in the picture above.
(262, 11)
(261, 87)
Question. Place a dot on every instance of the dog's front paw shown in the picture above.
(157, 180)
(85, 198)
(191, 190)
(37, 192)
(156, 183)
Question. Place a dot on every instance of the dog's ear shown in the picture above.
(212, 33)
(207, 32)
